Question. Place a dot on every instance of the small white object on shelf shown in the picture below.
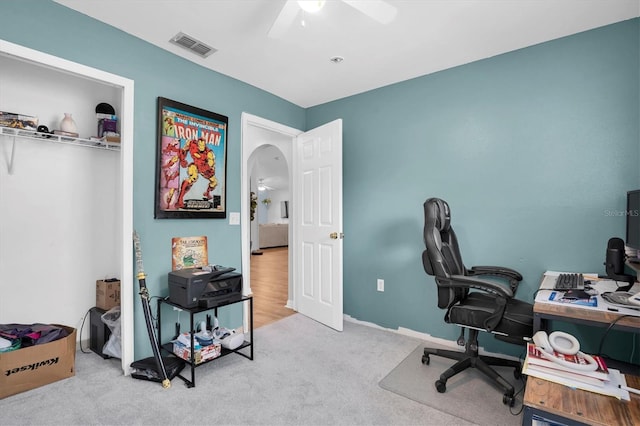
(68, 124)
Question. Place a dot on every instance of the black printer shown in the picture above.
(205, 287)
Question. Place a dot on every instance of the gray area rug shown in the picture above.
(469, 395)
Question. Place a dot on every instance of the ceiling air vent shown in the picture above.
(190, 43)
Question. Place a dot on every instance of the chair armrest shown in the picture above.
(471, 282)
(502, 292)
(514, 277)
(496, 270)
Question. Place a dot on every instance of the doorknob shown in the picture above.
(335, 235)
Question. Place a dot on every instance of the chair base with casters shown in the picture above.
(477, 307)
(471, 359)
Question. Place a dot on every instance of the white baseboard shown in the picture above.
(424, 337)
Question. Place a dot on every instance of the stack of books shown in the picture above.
(603, 380)
(108, 127)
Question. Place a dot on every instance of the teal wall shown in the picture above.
(530, 149)
(48, 27)
(491, 137)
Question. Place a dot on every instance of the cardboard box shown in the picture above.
(35, 366)
(107, 293)
(200, 355)
(112, 138)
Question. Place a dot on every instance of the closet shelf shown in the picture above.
(46, 138)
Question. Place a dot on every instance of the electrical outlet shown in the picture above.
(380, 284)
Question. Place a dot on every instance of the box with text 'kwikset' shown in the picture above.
(38, 365)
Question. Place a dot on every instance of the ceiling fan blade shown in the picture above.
(284, 20)
(378, 10)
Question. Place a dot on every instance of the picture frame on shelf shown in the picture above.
(191, 164)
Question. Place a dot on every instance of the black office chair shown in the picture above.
(472, 303)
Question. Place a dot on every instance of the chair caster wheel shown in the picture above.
(426, 359)
(508, 400)
(441, 386)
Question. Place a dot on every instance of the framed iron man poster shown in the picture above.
(191, 162)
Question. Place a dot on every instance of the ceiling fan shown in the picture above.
(377, 10)
(263, 187)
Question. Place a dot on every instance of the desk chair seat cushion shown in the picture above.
(477, 307)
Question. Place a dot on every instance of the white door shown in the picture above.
(317, 239)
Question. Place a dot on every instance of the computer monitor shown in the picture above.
(633, 219)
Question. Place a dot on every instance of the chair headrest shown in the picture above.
(440, 210)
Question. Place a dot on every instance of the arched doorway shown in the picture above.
(257, 133)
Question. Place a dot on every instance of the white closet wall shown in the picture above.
(62, 206)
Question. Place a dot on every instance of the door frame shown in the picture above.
(256, 132)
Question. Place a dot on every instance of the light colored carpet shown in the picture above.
(303, 374)
(469, 395)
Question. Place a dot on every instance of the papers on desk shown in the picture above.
(614, 387)
(560, 297)
(599, 286)
(620, 299)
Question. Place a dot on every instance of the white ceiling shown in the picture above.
(426, 36)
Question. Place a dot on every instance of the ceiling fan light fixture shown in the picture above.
(311, 6)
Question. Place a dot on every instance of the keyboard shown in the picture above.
(566, 282)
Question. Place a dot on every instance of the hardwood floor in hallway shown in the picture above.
(269, 284)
